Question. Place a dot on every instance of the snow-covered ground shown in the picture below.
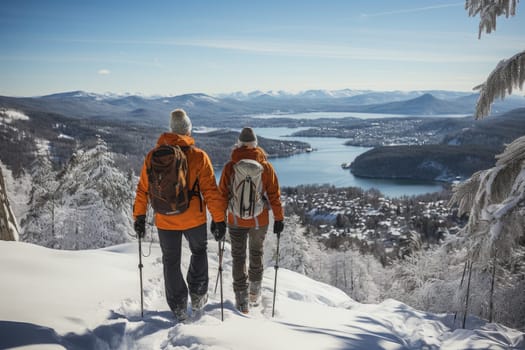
(90, 299)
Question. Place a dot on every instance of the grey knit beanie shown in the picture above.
(180, 123)
(247, 137)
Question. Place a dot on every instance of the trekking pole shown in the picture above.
(141, 290)
(221, 251)
(276, 268)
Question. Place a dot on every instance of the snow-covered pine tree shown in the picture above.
(8, 224)
(39, 225)
(295, 252)
(89, 208)
(95, 201)
(495, 233)
(495, 199)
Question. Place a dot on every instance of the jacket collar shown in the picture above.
(169, 138)
(244, 152)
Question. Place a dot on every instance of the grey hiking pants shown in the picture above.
(197, 276)
(239, 238)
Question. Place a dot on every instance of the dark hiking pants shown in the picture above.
(197, 276)
(239, 237)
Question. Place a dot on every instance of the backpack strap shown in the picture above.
(196, 188)
(196, 191)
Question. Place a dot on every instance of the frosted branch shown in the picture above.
(496, 217)
(488, 11)
(508, 75)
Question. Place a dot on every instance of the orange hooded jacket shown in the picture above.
(269, 181)
(199, 167)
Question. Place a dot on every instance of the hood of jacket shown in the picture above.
(244, 152)
(169, 138)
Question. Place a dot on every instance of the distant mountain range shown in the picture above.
(215, 110)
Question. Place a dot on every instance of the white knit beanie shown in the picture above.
(180, 123)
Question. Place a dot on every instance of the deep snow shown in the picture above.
(89, 299)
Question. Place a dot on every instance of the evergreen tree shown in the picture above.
(85, 206)
(39, 224)
(495, 198)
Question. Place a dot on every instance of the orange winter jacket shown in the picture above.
(199, 168)
(269, 181)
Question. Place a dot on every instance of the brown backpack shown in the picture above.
(168, 191)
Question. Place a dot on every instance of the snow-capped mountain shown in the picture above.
(357, 97)
(221, 108)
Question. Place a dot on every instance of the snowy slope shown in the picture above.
(89, 299)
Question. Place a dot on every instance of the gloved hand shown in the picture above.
(218, 229)
(140, 226)
(278, 227)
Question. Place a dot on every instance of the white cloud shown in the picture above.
(104, 72)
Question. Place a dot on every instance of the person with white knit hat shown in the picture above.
(190, 223)
(249, 229)
(180, 123)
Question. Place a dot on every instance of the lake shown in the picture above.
(323, 166)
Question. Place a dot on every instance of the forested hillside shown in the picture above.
(464, 147)
(426, 162)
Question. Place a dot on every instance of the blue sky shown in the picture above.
(175, 47)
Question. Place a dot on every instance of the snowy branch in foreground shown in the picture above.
(507, 75)
(488, 11)
(497, 211)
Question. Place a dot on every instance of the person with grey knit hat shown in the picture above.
(190, 223)
(247, 138)
(250, 188)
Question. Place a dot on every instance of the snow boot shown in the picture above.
(180, 313)
(198, 301)
(255, 292)
(241, 301)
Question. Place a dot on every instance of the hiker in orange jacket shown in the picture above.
(191, 223)
(252, 229)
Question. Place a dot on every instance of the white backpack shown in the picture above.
(246, 194)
